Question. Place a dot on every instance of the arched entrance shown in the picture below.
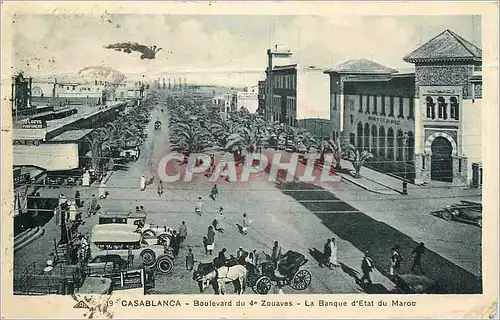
(441, 160)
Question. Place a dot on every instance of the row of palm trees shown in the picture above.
(126, 131)
(200, 127)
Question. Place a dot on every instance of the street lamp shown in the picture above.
(405, 143)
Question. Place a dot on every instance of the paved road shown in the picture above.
(277, 214)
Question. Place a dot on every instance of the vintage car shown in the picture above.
(467, 212)
(414, 284)
(129, 154)
(157, 125)
(131, 218)
(118, 239)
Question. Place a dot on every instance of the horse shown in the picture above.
(236, 274)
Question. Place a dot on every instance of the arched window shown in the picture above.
(442, 108)
(454, 108)
(366, 137)
(399, 146)
(359, 142)
(374, 139)
(381, 142)
(410, 147)
(390, 144)
(431, 113)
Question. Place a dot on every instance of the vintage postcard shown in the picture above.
(249, 160)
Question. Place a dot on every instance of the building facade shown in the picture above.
(261, 97)
(424, 125)
(372, 106)
(284, 98)
(448, 84)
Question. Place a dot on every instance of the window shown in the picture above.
(399, 146)
(411, 108)
(442, 108)
(334, 101)
(381, 139)
(423, 162)
(359, 144)
(366, 134)
(459, 165)
(360, 109)
(367, 104)
(391, 107)
(390, 144)
(431, 112)
(382, 109)
(401, 108)
(375, 111)
(352, 138)
(453, 108)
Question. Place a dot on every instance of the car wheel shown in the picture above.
(149, 257)
(165, 265)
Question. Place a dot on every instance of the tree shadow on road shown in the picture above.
(378, 238)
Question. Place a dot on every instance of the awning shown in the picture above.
(71, 136)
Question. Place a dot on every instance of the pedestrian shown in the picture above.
(205, 245)
(240, 253)
(245, 224)
(395, 261)
(65, 210)
(190, 260)
(77, 199)
(221, 211)
(199, 206)
(62, 199)
(222, 255)
(417, 257)
(216, 226)
(327, 253)
(160, 188)
(93, 206)
(276, 251)
(175, 243)
(366, 268)
(143, 183)
(211, 240)
(214, 192)
(86, 179)
(182, 232)
(72, 211)
(103, 194)
(333, 257)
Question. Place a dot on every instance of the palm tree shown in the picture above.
(339, 149)
(358, 159)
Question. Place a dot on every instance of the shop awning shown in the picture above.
(71, 136)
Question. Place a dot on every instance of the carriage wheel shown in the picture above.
(263, 285)
(301, 280)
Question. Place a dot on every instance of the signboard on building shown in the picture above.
(35, 124)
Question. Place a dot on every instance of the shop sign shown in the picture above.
(34, 124)
(383, 120)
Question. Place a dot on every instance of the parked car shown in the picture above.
(115, 239)
(467, 212)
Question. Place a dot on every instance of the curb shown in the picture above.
(40, 231)
(351, 180)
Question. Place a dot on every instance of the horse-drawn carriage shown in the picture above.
(261, 277)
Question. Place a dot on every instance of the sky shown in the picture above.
(221, 49)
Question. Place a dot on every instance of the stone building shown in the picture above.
(448, 86)
(372, 106)
(424, 125)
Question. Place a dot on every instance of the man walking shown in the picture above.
(199, 206)
(93, 206)
(190, 260)
(417, 257)
(182, 232)
(327, 253)
(160, 188)
(143, 183)
(214, 192)
(210, 240)
(245, 224)
(395, 261)
(366, 268)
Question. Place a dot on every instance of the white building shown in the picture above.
(248, 98)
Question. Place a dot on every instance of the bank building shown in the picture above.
(423, 125)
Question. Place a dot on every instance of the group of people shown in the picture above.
(395, 262)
